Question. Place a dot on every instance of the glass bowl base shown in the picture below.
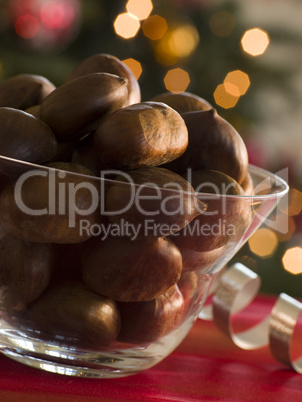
(73, 361)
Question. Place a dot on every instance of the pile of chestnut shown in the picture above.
(67, 285)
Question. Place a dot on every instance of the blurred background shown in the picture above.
(244, 57)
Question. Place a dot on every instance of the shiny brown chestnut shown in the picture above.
(158, 200)
(24, 137)
(131, 270)
(48, 205)
(227, 216)
(194, 288)
(147, 322)
(106, 63)
(25, 271)
(187, 285)
(75, 108)
(72, 311)
(24, 90)
(248, 185)
(198, 261)
(140, 135)
(214, 144)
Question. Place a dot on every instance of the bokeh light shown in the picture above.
(126, 25)
(294, 205)
(155, 27)
(255, 41)
(46, 24)
(163, 54)
(183, 40)
(292, 260)
(237, 83)
(222, 23)
(177, 43)
(27, 26)
(140, 8)
(55, 14)
(135, 66)
(263, 243)
(224, 98)
(177, 80)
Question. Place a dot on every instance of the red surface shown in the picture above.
(206, 366)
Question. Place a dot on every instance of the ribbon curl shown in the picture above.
(234, 289)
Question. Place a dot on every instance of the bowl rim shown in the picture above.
(252, 169)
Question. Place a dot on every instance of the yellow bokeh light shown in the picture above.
(255, 41)
(135, 66)
(263, 243)
(163, 54)
(222, 23)
(292, 260)
(177, 80)
(140, 8)
(237, 82)
(177, 43)
(224, 98)
(155, 27)
(232, 89)
(294, 205)
(183, 40)
(126, 25)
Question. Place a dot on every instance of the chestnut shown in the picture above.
(130, 270)
(187, 285)
(149, 321)
(199, 260)
(24, 90)
(141, 135)
(183, 102)
(194, 288)
(24, 137)
(75, 108)
(25, 271)
(51, 204)
(106, 63)
(247, 184)
(72, 311)
(214, 144)
(226, 217)
(153, 196)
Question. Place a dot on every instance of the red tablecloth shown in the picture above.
(206, 366)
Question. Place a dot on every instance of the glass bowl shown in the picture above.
(101, 277)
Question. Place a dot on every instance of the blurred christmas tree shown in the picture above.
(203, 38)
(202, 46)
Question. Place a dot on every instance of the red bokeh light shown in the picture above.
(46, 24)
(57, 14)
(27, 26)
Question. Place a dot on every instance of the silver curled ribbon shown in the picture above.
(233, 290)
